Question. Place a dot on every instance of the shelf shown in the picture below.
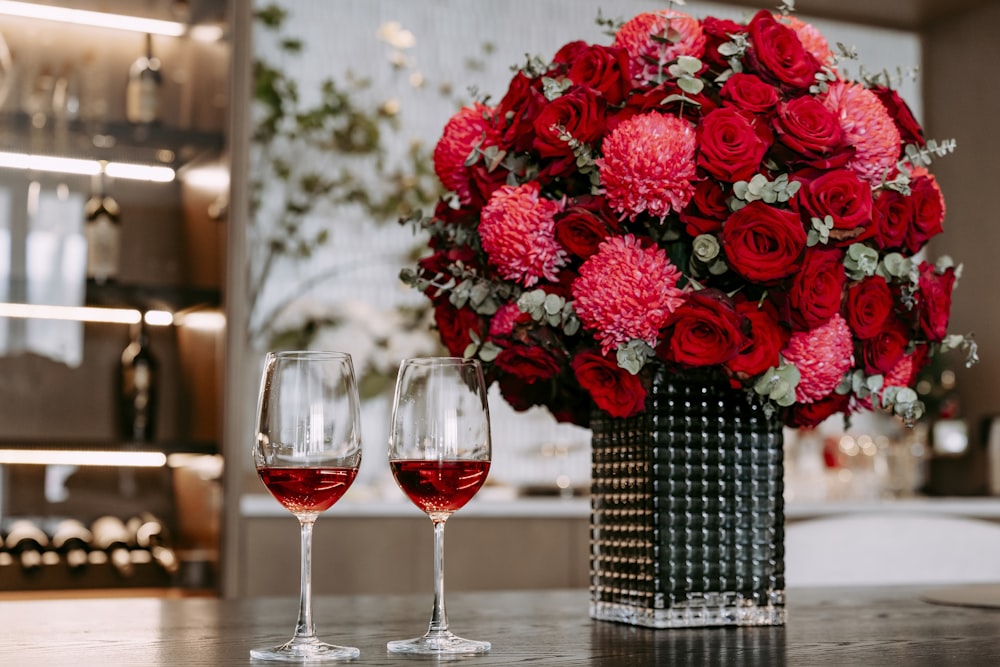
(143, 297)
(166, 447)
(151, 297)
(113, 140)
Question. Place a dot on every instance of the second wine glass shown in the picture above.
(439, 453)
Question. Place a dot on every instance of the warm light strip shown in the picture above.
(96, 19)
(69, 165)
(80, 457)
(202, 320)
(84, 314)
(140, 172)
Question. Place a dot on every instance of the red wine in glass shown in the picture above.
(440, 486)
(307, 489)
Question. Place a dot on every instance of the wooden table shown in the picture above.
(842, 627)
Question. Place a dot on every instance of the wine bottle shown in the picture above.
(138, 388)
(111, 537)
(142, 94)
(151, 534)
(102, 231)
(71, 539)
(26, 541)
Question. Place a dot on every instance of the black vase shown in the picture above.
(687, 515)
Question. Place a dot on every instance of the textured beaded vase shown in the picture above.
(687, 516)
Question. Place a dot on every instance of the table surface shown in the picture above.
(833, 626)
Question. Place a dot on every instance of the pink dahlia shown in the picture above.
(517, 230)
(649, 165)
(868, 127)
(464, 131)
(811, 38)
(626, 291)
(822, 356)
(655, 39)
(504, 320)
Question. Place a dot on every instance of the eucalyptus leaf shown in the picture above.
(689, 64)
(489, 351)
(690, 85)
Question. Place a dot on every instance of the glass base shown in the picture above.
(305, 650)
(438, 643)
(743, 613)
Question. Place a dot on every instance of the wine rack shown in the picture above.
(141, 556)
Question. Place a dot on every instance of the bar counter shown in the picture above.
(831, 626)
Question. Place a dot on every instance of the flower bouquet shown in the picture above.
(703, 195)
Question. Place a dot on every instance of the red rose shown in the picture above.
(441, 261)
(892, 216)
(749, 93)
(731, 145)
(517, 111)
(928, 210)
(614, 390)
(717, 32)
(604, 69)
(762, 243)
(817, 288)
(485, 182)
(934, 300)
(705, 330)
(454, 325)
(578, 113)
(529, 363)
(909, 129)
(707, 210)
(569, 52)
(884, 350)
(809, 415)
(841, 195)
(808, 128)
(777, 55)
(764, 341)
(582, 226)
(869, 304)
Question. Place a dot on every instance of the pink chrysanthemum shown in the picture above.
(463, 131)
(626, 292)
(868, 127)
(504, 320)
(650, 49)
(649, 165)
(517, 230)
(822, 356)
(811, 38)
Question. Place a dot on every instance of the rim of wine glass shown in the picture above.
(453, 361)
(309, 354)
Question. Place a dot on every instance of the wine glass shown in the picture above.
(307, 452)
(439, 453)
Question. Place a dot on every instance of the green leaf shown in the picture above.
(689, 65)
(633, 355)
(690, 85)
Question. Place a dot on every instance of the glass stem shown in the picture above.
(304, 628)
(439, 617)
